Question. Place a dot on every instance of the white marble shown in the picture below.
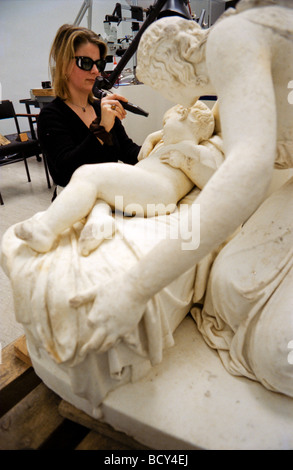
(21, 200)
(62, 259)
(247, 313)
(190, 401)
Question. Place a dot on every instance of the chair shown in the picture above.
(18, 150)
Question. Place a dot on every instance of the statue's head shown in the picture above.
(171, 58)
(199, 118)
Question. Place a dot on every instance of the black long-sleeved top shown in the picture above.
(68, 143)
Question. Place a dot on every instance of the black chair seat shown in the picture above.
(29, 148)
(17, 157)
(18, 150)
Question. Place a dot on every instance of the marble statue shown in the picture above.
(55, 273)
(247, 313)
(122, 302)
(147, 189)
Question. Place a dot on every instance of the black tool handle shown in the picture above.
(133, 108)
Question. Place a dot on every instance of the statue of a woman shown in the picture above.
(246, 59)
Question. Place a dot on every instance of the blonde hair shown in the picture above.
(66, 42)
(169, 51)
(199, 114)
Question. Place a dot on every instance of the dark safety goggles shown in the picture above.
(86, 63)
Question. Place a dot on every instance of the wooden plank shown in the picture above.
(17, 379)
(70, 412)
(28, 424)
(20, 350)
(17, 390)
(34, 417)
(66, 436)
(95, 441)
(11, 367)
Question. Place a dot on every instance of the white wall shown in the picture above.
(27, 29)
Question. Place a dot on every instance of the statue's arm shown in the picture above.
(245, 89)
(198, 162)
(149, 143)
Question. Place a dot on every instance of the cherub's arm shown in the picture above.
(198, 162)
(149, 144)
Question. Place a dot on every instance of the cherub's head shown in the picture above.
(195, 123)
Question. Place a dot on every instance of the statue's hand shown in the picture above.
(149, 144)
(115, 312)
(174, 158)
(197, 161)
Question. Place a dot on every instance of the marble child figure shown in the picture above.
(152, 187)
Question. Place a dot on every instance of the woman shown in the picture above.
(77, 129)
(249, 304)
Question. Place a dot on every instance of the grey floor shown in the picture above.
(21, 200)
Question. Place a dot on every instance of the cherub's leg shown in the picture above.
(73, 203)
(134, 191)
(99, 226)
(136, 188)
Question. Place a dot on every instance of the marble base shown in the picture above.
(190, 401)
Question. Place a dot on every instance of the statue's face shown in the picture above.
(177, 129)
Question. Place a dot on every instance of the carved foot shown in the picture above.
(94, 233)
(36, 234)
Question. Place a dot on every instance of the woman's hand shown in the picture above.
(110, 109)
